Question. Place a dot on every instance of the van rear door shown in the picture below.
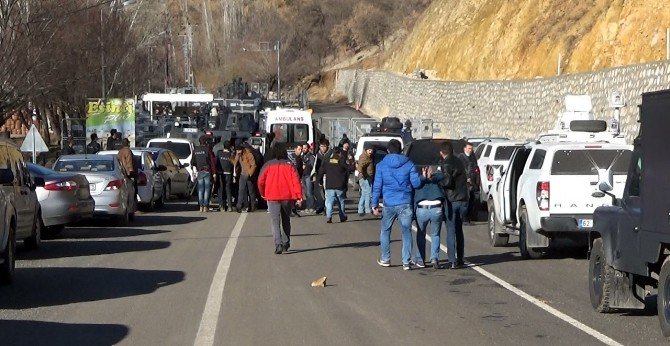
(574, 179)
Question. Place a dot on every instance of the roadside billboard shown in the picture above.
(103, 116)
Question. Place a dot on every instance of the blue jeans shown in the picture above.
(403, 213)
(331, 195)
(455, 213)
(308, 189)
(423, 217)
(366, 191)
(204, 188)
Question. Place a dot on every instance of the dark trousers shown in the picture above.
(280, 215)
(455, 213)
(247, 194)
(319, 197)
(473, 207)
(225, 190)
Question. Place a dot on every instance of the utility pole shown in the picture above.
(102, 58)
(277, 47)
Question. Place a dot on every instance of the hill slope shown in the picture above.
(492, 39)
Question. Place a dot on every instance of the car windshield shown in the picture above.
(587, 162)
(504, 153)
(39, 170)
(84, 166)
(183, 150)
(427, 152)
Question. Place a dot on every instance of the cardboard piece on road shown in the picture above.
(319, 282)
(33, 138)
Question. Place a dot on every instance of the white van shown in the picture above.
(290, 126)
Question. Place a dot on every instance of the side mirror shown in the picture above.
(39, 182)
(6, 177)
(160, 168)
(605, 180)
(605, 186)
(184, 165)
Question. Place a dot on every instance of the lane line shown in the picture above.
(542, 305)
(210, 315)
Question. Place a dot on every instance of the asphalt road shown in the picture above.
(176, 276)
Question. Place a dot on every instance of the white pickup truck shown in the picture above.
(550, 191)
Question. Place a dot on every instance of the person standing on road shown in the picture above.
(205, 163)
(110, 140)
(395, 179)
(68, 149)
(279, 185)
(93, 147)
(321, 157)
(223, 157)
(308, 161)
(125, 156)
(245, 163)
(428, 203)
(366, 169)
(470, 162)
(456, 188)
(336, 172)
(296, 160)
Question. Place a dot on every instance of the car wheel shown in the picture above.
(8, 255)
(160, 203)
(35, 240)
(600, 278)
(51, 231)
(495, 237)
(526, 252)
(663, 298)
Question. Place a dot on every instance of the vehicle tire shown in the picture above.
(601, 276)
(8, 255)
(524, 250)
(495, 237)
(160, 203)
(34, 241)
(663, 297)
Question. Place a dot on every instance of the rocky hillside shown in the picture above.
(493, 39)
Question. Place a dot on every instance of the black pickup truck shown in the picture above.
(630, 241)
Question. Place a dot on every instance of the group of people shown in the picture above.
(428, 194)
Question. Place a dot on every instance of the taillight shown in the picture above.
(61, 186)
(543, 195)
(114, 185)
(142, 179)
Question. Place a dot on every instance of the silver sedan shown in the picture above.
(110, 187)
(65, 197)
(149, 180)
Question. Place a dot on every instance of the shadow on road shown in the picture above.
(37, 287)
(13, 332)
(357, 245)
(99, 232)
(482, 260)
(61, 248)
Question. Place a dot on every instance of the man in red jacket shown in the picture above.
(279, 185)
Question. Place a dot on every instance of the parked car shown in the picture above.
(110, 187)
(175, 175)
(65, 197)
(550, 192)
(629, 257)
(496, 155)
(18, 208)
(149, 181)
(476, 141)
(182, 148)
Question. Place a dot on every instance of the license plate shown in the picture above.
(585, 223)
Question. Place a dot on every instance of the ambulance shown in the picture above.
(291, 126)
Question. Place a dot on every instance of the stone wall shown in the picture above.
(519, 109)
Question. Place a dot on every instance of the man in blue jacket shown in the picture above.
(395, 179)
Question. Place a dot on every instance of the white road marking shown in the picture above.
(542, 305)
(210, 316)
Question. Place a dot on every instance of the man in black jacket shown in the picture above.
(456, 188)
(226, 177)
(470, 161)
(337, 173)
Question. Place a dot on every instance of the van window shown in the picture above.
(290, 133)
(504, 153)
(487, 151)
(538, 159)
(479, 150)
(588, 162)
